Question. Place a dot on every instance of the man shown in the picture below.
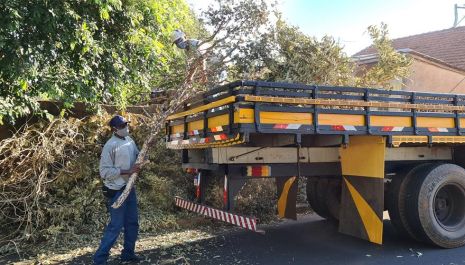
(195, 49)
(179, 38)
(117, 163)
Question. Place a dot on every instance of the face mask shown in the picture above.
(123, 132)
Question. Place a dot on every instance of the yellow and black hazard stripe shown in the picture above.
(362, 196)
(362, 213)
(287, 197)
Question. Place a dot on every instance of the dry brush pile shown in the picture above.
(50, 186)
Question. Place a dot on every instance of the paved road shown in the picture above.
(310, 240)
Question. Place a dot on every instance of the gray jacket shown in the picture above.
(117, 155)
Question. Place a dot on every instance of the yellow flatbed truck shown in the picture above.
(362, 151)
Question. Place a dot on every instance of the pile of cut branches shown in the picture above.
(30, 162)
(50, 186)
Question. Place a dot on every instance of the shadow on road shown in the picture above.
(310, 240)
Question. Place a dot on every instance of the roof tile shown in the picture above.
(446, 45)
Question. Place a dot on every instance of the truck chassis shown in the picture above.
(362, 151)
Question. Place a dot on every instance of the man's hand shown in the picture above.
(125, 177)
(135, 169)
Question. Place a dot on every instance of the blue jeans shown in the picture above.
(125, 217)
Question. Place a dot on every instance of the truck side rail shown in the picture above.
(243, 107)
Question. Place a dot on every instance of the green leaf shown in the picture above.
(23, 84)
(104, 14)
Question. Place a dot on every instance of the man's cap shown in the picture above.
(117, 121)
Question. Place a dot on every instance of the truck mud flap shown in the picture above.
(287, 197)
(362, 198)
(249, 223)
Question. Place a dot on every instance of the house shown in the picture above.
(438, 60)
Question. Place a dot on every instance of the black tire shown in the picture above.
(396, 199)
(333, 198)
(314, 198)
(435, 205)
(324, 197)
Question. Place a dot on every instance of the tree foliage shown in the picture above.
(116, 51)
(285, 53)
(392, 66)
(308, 60)
(86, 50)
(233, 25)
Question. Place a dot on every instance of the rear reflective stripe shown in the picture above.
(220, 137)
(258, 171)
(291, 126)
(392, 129)
(194, 132)
(217, 129)
(279, 126)
(343, 128)
(437, 129)
(349, 128)
(337, 128)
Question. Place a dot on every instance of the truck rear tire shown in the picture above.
(314, 198)
(333, 198)
(435, 204)
(395, 201)
(324, 197)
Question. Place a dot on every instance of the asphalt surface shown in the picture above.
(310, 240)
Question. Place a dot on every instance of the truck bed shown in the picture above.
(242, 112)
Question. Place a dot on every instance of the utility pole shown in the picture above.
(456, 11)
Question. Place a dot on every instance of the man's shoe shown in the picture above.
(132, 259)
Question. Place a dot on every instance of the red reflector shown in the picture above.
(280, 126)
(223, 136)
(256, 171)
(338, 128)
(387, 128)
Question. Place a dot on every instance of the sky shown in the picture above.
(347, 20)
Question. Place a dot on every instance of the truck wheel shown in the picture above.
(314, 197)
(435, 204)
(324, 196)
(333, 198)
(395, 201)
